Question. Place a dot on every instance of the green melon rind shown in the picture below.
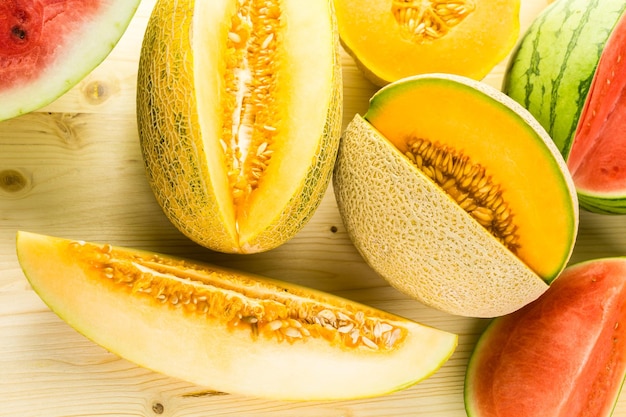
(602, 205)
(551, 70)
(95, 41)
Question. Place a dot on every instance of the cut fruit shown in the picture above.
(47, 47)
(241, 159)
(390, 40)
(563, 355)
(230, 331)
(568, 72)
(456, 195)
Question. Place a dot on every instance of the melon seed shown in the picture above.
(427, 20)
(242, 303)
(250, 116)
(469, 185)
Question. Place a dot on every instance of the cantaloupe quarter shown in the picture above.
(47, 47)
(239, 113)
(390, 40)
(427, 243)
(497, 133)
(230, 331)
(562, 355)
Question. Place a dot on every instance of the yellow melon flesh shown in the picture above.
(240, 136)
(390, 40)
(229, 331)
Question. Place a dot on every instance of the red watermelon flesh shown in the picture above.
(47, 46)
(597, 159)
(562, 355)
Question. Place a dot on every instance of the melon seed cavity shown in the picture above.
(428, 20)
(469, 185)
(241, 303)
(251, 117)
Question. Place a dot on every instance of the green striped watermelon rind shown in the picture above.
(602, 205)
(552, 68)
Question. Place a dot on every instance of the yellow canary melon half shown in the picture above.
(239, 107)
(229, 331)
(394, 39)
(456, 195)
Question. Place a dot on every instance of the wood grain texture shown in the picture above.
(74, 169)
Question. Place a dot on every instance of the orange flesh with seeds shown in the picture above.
(395, 39)
(488, 133)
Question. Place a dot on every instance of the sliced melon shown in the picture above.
(226, 330)
(390, 40)
(456, 195)
(239, 109)
(563, 355)
(48, 47)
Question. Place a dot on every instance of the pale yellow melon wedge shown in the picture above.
(418, 238)
(226, 330)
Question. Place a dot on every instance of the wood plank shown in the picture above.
(74, 169)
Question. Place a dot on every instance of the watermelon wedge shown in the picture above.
(562, 355)
(48, 46)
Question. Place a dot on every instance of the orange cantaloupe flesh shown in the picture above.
(507, 143)
(371, 33)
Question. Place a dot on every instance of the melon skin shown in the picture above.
(563, 73)
(182, 155)
(99, 289)
(46, 48)
(562, 355)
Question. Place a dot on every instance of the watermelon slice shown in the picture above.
(597, 156)
(562, 355)
(48, 46)
(568, 71)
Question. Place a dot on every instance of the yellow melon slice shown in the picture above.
(239, 108)
(226, 330)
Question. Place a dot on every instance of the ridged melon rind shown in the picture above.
(173, 145)
(417, 238)
(204, 350)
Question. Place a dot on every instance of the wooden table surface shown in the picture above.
(74, 169)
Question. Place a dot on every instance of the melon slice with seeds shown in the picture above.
(230, 331)
(456, 195)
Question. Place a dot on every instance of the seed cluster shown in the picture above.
(240, 302)
(469, 185)
(424, 20)
(250, 119)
